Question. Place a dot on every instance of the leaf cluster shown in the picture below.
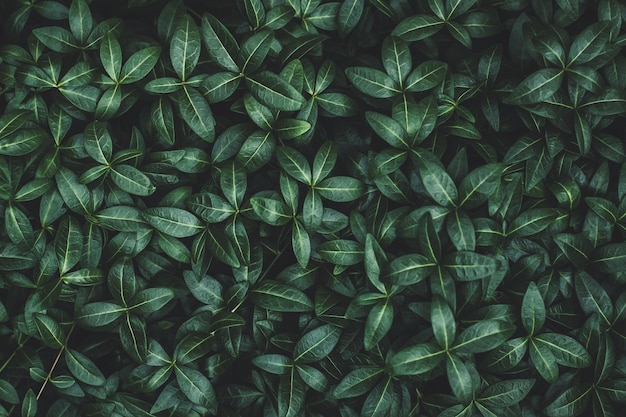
(306, 208)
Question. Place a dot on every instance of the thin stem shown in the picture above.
(6, 363)
(56, 360)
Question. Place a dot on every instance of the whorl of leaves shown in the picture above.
(306, 208)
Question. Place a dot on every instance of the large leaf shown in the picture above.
(274, 92)
(316, 344)
(275, 296)
(537, 87)
(483, 336)
(196, 387)
(173, 221)
(416, 360)
(185, 47)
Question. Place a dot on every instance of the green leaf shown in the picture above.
(573, 402)
(358, 382)
(378, 324)
(173, 221)
(610, 258)
(131, 180)
(68, 244)
(372, 82)
(544, 361)
(469, 266)
(483, 336)
(219, 42)
(589, 43)
(459, 378)
(253, 52)
(532, 222)
(185, 47)
(409, 269)
(273, 363)
(312, 377)
(56, 38)
(163, 85)
(461, 231)
(121, 218)
(337, 104)
(427, 75)
(388, 129)
(294, 164)
(316, 344)
(280, 297)
(349, 14)
(274, 92)
(341, 252)
(80, 20)
(443, 322)
(196, 387)
(49, 331)
(340, 189)
(273, 212)
(575, 248)
(418, 27)
(416, 360)
(99, 314)
(111, 56)
(139, 65)
(396, 59)
(83, 368)
(507, 355)
(29, 405)
(8, 392)
(85, 277)
(301, 243)
(196, 112)
(592, 297)
(380, 399)
(506, 393)
(566, 350)
(11, 121)
(133, 337)
(479, 185)
(438, 183)
(291, 394)
(18, 227)
(23, 142)
(151, 300)
(291, 128)
(533, 310)
(537, 87)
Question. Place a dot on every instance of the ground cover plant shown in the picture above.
(305, 208)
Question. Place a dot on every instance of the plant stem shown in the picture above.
(56, 360)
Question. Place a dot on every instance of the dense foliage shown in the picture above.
(290, 208)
